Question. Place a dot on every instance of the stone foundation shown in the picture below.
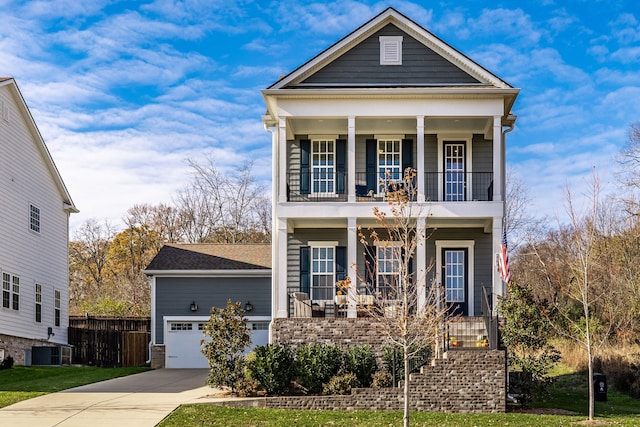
(157, 356)
(467, 381)
(15, 346)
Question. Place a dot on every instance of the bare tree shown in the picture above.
(569, 264)
(519, 221)
(221, 208)
(399, 310)
(629, 158)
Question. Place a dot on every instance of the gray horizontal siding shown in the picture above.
(175, 294)
(361, 65)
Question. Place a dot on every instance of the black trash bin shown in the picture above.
(600, 387)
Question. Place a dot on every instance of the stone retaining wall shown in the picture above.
(467, 381)
(15, 346)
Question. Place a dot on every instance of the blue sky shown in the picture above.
(123, 92)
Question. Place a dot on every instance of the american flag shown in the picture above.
(503, 262)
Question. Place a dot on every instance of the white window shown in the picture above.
(34, 218)
(389, 162)
(454, 172)
(323, 159)
(38, 303)
(6, 290)
(388, 257)
(390, 50)
(56, 307)
(322, 272)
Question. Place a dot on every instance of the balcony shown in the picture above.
(438, 187)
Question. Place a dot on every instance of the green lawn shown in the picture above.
(25, 382)
(569, 393)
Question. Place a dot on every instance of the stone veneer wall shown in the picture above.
(15, 346)
(467, 381)
(340, 331)
(157, 356)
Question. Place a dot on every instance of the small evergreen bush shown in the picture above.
(273, 366)
(382, 379)
(341, 384)
(7, 363)
(361, 361)
(316, 364)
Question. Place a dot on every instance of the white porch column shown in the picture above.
(498, 285)
(279, 277)
(420, 158)
(352, 254)
(421, 262)
(282, 160)
(351, 159)
(498, 164)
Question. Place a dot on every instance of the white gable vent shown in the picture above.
(390, 50)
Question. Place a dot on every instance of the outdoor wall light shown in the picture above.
(248, 306)
(194, 306)
(50, 332)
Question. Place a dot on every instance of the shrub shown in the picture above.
(623, 372)
(361, 361)
(341, 384)
(272, 366)
(7, 363)
(316, 364)
(247, 387)
(382, 379)
(393, 362)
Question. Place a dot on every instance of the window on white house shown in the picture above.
(38, 303)
(6, 290)
(15, 292)
(323, 157)
(322, 272)
(56, 307)
(388, 270)
(34, 218)
(390, 50)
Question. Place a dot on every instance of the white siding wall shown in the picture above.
(36, 258)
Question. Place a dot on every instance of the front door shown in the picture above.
(454, 277)
(454, 172)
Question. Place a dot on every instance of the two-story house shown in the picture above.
(34, 228)
(346, 124)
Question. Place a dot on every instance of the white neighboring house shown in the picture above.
(34, 228)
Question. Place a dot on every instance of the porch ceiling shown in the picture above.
(390, 125)
(484, 223)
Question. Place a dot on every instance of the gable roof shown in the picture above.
(207, 257)
(10, 84)
(391, 18)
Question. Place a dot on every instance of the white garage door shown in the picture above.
(182, 345)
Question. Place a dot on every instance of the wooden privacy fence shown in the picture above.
(108, 342)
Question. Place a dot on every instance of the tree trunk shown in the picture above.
(405, 348)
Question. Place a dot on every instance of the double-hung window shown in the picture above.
(34, 218)
(38, 303)
(56, 307)
(389, 162)
(10, 291)
(388, 256)
(323, 164)
(322, 272)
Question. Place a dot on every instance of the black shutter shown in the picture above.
(372, 161)
(341, 166)
(305, 169)
(305, 270)
(407, 154)
(341, 262)
(370, 268)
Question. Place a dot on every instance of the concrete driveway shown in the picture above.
(139, 400)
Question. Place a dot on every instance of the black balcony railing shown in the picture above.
(438, 186)
(453, 186)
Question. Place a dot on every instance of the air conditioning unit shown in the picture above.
(51, 356)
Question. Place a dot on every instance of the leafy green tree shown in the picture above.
(526, 334)
(226, 338)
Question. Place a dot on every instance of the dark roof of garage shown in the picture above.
(208, 256)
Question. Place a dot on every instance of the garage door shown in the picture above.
(182, 346)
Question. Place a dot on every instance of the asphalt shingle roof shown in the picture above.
(212, 257)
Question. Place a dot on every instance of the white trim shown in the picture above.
(468, 164)
(459, 244)
(322, 243)
(385, 137)
(323, 137)
(388, 243)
